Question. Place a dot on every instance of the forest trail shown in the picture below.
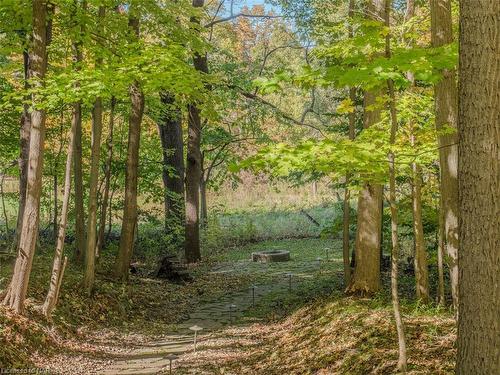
(214, 316)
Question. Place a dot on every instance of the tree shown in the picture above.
(346, 236)
(170, 130)
(445, 92)
(97, 114)
(478, 338)
(107, 179)
(59, 264)
(366, 276)
(77, 159)
(129, 223)
(16, 292)
(24, 142)
(420, 255)
(193, 165)
(402, 365)
(421, 269)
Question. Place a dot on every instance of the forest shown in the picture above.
(250, 187)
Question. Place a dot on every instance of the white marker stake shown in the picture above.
(195, 329)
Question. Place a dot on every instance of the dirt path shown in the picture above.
(213, 316)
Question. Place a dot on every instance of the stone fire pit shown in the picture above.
(271, 256)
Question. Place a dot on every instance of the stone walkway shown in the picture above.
(212, 316)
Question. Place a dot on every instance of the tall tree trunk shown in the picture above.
(366, 276)
(478, 338)
(92, 204)
(401, 366)
(55, 220)
(16, 292)
(58, 265)
(192, 251)
(88, 280)
(78, 180)
(346, 237)
(129, 223)
(107, 180)
(130, 205)
(446, 99)
(402, 361)
(77, 157)
(193, 175)
(421, 268)
(24, 153)
(170, 131)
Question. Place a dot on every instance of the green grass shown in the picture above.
(231, 230)
(301, 250)
(279, 224)
(311, 278)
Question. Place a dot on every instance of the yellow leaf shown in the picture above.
(345, 106)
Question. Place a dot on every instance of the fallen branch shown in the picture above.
(313, 220)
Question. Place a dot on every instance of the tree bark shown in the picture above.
(90, 247)
(107, 180)
(59, 264)
(192, 251)
(478, 338)
(56, 214)
(24, 143)
(170, 131)
(346, 238)
(78, 180)
(421, 268)
(92, 203)
(55, 220)
(402, 361)
(446, 99)
(203, 202)
(193, 175)
(16, 292)
(77, 157)
(366, 276)
(129, 223)
(440, 257)
(401, 366)
(130, 205)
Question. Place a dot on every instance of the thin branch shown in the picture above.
(213, 19)
(235, 140)
(246, 15)
(269, 53)
(249, 95)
